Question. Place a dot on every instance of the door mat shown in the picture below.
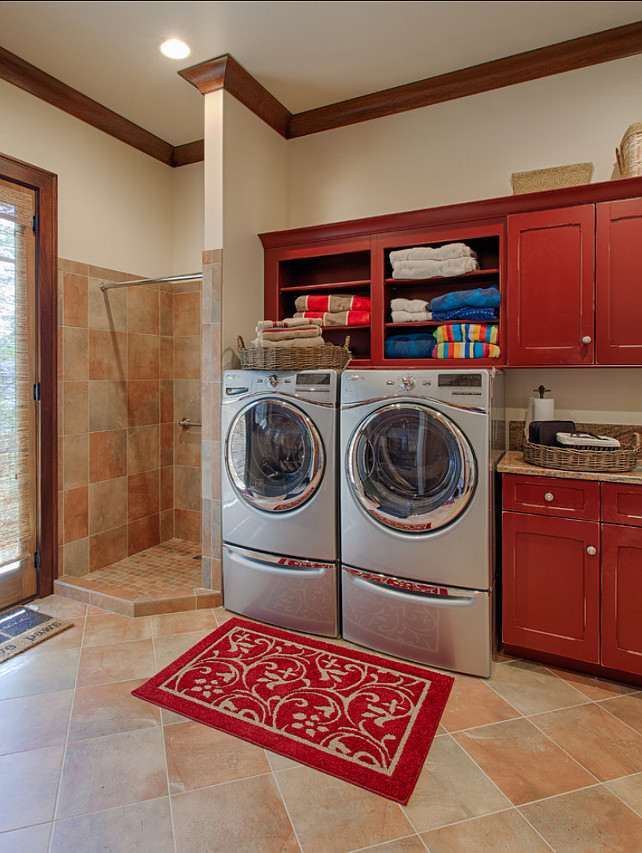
(354, 715)
(21, 628)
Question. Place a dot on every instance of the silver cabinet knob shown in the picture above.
(548, 496)
(591, 551)
(586, 339)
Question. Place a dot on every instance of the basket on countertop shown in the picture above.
(614, 461)
(294, 358)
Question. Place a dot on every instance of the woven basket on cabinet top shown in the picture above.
(294, 358)
(565, 459)
(629, 154)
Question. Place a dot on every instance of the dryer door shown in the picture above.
(411, 468)
(274, 455)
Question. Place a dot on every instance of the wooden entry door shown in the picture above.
(19, 427)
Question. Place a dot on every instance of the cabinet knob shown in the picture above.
(586, 339)
(548, 496)
(591, 551)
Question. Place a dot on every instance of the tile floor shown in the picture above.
(532, 760)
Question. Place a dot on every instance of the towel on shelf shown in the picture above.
(479, 315)
(334, 303)
(291, 334)
(466, 349)
(338, 318)
(481, 297)
(434, 269)
(467, 332)
(431, 253)
(287, 323)
(411, 316)
(409, 305)
(414, 345)
(290, 342)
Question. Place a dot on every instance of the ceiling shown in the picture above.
(307, 54)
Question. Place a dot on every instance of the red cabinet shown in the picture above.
(572, 588)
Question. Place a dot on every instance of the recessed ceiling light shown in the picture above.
(175, 49)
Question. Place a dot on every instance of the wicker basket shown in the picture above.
(554, 178)
(624, 459)
(293, 358)
(629, 154)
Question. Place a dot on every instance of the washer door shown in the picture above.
(411, 468)
(274, 455)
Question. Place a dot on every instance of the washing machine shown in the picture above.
(417, 530)
(279, 497)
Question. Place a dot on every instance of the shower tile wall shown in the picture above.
(129, 369)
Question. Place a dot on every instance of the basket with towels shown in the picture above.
(291, 344)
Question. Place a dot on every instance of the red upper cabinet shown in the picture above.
(619, 282)
(551, 274)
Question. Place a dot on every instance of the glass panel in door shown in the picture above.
(18, 417)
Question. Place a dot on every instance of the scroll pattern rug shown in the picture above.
(354, 715)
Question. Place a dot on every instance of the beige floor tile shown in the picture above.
(472, 702)
(504, 832)
(116, 662)
(222, 615)
(600, 742)
(178, 623)
(34, 722)
(411, 844)
(247, 816)
(28, 674)
(111, 771)
(31, 839)
(626, 708)
(588, 821)
(332, 816)
(28, 785)
(532, 689)
(280, 762)
(590, 685)
(199, 756)
(451, 788)
(167, 649)
(628, 789)
(64, 608)
(107, 709)
(523, 763)
(70, 638)
(114, 628)
(140, 827)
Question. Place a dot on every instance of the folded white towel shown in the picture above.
(299, 342)
(408, 305)
(429, 253)
(411, 316)
(287, 323)
(290, 334)
(434, 269)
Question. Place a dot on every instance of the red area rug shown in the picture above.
(354, 715)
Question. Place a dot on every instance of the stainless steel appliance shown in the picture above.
(417, 525)
(279, 489)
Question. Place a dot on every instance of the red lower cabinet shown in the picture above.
(622, 597)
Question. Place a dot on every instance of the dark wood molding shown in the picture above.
(508, 71)
(25, 76)
(191, 152)
(224, 72)
(45, 185)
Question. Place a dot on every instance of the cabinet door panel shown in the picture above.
(619, 282)
(622, 597)
(550, 286)
(551, 585)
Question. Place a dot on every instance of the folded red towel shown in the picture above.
(334, 303)
(339, 318)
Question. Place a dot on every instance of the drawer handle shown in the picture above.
(591, 551)
(548, 496)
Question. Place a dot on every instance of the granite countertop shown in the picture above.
(512, 462)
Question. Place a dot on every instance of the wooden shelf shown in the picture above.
(465, 277)
(337, 285)
(494, 322)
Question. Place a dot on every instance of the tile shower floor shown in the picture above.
(532, 760)
(162, 579)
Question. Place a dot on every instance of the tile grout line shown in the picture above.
(164, 746)
(285, 805)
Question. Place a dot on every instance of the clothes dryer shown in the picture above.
(279, 497)
(417, 513)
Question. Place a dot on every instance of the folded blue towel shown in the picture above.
(478, 315)
(416, 345)
(487, 297)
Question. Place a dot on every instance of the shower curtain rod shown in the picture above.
(108, 285)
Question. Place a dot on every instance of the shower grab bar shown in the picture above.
(109, 285)
(186, 423)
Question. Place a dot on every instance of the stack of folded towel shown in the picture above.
(428, 262)
(288, 333)
(480, 305)
(336, 310)
(413, 345)
(409, 311)
(466, 340)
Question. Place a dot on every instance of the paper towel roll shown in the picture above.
(543, 408)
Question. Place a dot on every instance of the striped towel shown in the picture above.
(467, 333)
(334, 303)
(465, 350)
(287, 323)
(338, 318)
